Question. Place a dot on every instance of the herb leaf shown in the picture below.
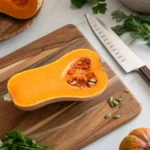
(100, 6)
(15, 140)
(119, 16)
(137, 25)
(78, 3)
(120, 29)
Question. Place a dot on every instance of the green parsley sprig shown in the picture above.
(100, 6)
(136, 24)
(15, 140)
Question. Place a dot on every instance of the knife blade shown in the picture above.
(117, 48)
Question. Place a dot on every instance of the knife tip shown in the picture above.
(87, 16)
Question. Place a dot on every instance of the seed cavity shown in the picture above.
(79, 73)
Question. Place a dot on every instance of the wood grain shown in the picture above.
(69, 125)
(10, 27)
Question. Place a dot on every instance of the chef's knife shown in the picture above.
(117, 48)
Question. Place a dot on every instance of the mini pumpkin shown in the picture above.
(138, 139)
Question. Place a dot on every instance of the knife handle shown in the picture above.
(145, 72)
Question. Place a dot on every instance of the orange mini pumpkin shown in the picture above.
(138, 139)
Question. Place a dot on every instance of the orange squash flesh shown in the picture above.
(21, 9)
(50, 83)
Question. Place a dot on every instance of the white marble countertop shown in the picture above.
(57, 13)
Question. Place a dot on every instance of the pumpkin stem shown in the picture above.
(148, 147)
(8, 98)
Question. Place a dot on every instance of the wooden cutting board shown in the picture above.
(10, 27)
(69, 125)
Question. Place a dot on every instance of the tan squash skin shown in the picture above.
(20, 11)
(38, 87)
(40, 3)
(138, 139)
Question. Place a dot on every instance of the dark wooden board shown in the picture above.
(70, 125)
(10, 27)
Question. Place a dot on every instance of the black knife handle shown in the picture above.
(145, 72)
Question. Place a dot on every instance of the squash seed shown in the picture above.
(107, 116)
(115, 102)
(116, 117)
(92, 80)
(127, 91)
(91, 83)
(111, 98)
(111, 102)
(119, 100)
(73, 82)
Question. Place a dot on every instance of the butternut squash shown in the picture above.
(20, 9)
(78, 75)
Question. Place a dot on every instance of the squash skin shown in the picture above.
(138, 139)
(54, 85)
(20, 11)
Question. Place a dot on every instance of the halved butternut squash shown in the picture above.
(21, 9)
(78, 75)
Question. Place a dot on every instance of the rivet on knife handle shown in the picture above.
(145, 72)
